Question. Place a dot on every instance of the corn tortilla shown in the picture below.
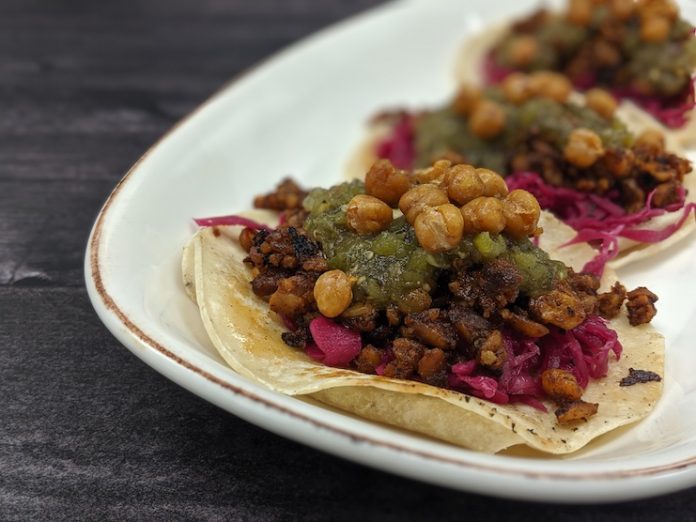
(247, 335)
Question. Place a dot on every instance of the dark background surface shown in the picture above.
(86, 430)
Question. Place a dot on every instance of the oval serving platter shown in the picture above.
(252, 133)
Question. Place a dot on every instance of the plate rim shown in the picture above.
(109, 310)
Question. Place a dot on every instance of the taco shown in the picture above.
(446, 322)
(642, 51)
(621, 191)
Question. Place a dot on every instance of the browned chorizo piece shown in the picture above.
(490, 288)
(559, 307)
(361, 317)
(491, 352)
(470, 326)
(583, 282)
(416, 300)
(610, 302)
(659, 165)
(287, 248)
(246, 238)
(287, 195)
(267, 281)
(315, 264)
(575, 411)
(561, 385)
(431, 328)
(297, 338)
(407, 353)
(632, 195)
(641, 306)
(394, 316)
(522, 323)
(432, 367)
(294, 295)
(618, 162)
(382, 335)
(485, 342)
(666, 194)
(633, 172)
(368, 359)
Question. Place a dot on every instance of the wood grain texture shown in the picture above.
(87, 431)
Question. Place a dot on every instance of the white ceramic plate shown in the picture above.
(301, 113)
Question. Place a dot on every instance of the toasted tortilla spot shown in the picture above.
(247, 335)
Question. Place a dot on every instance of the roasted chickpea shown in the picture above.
(517, 88)
(439, 228)
(484, 214)
(580, 12)
(420, 197)
(602, 102)
(523, 50)
(550, 85)
(386, 182)
(434, 174)
(487, 120)
(584, 148)
(663, 8)
(333, 293)
(467, 99)
(652, 139)
(493, 184)
(368, 215)
(654, 29)
(521, 210)
(463, 184)
(622, 9)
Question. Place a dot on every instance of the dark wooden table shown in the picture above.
(86, 430)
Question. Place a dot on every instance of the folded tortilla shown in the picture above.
(629, 251)
(468, 71)
(248, 336)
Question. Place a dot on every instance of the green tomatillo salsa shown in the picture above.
(390, 265)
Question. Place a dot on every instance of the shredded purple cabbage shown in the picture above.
(398, 147)
(493, 72)
(673, 112)
(231, 220)
(334, 344)
(599, 220)
(584, 351)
